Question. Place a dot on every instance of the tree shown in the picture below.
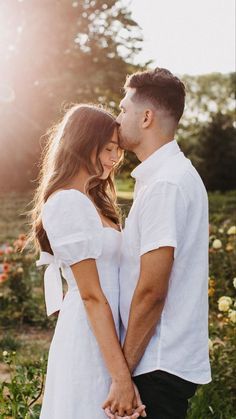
(216, 153)
(208, 94)
(54, 53)
(206, 132)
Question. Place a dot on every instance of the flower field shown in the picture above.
(25, 331)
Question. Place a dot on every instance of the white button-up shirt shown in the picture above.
(170, 208)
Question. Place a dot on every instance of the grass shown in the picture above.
(12, 217)
(222, 206)
(30, 343)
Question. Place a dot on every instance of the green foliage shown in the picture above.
(207, 133)
(19, 396)
(208, 95)
(216, 153)
(216, 400)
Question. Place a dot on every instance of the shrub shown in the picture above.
(19, 396)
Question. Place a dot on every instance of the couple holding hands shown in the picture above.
(131, 339)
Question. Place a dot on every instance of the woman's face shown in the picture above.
(110, 155)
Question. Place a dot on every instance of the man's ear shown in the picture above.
(148, 117)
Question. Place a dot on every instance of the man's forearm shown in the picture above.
(144, 315)
(148, 302)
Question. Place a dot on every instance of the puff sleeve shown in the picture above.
(75, 233)
(73, 227)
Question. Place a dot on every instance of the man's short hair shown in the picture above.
(161, 88)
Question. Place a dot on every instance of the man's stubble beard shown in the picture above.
(127, 143)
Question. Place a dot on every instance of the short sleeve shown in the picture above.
(162, 217)
(73, 227)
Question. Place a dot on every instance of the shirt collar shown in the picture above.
(146, 170)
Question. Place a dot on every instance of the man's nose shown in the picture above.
(118, 119)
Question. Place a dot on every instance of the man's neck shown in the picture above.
(147, 148)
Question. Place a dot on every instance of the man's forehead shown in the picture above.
(127, 97)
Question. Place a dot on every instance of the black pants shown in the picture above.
(165, 395)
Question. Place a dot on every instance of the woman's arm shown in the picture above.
(121, 397)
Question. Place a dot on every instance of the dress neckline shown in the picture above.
(111, 228)
(86, 196)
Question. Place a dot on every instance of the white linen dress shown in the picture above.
(77, 381)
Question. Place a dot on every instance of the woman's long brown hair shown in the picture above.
(70, 145)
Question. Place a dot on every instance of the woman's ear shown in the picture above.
(148, 117)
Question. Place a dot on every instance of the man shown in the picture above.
(164, 265)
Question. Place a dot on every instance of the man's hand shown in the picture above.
(141, 406)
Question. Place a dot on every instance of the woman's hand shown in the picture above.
(121, 398)
(136, 412)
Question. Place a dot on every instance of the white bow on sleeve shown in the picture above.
(52, 282)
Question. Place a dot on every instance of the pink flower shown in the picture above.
(3, 277)
(6, 267)
(9, 250)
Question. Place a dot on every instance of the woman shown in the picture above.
(76, 225)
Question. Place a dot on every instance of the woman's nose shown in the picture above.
(114, 156)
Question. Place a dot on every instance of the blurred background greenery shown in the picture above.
(54, 53)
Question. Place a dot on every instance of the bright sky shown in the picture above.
(187, 36)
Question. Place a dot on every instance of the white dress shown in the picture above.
(77, 381)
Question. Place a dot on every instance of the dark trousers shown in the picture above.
(165, 395)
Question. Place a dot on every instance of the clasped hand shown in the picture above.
(124, 402)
